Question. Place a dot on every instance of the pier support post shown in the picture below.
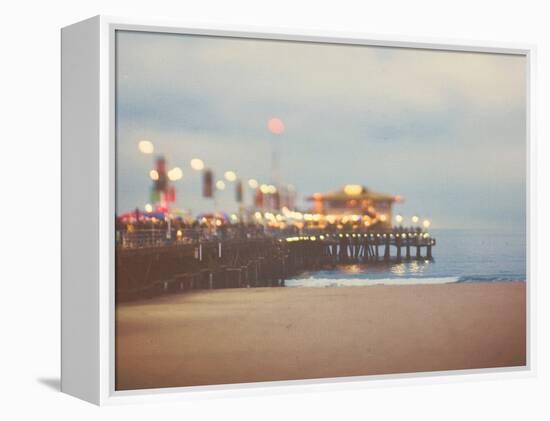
(387, 251)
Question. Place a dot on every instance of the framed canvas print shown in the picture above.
(244, 209)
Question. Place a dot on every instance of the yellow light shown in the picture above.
(426, 223)
(415, 219)
(220, 185)
(398, 219)
(253, 184)
(313, 238)
(146, 147)
(154, 175)
(355, 218)
(175, 174)
(230, 176)
(258, 216)
(297, 215)
(271, 189)
(383, 218)
(264, 188)
(148, 208)
(179, 233)
(218, 222)
(197, 164)
(353, 189)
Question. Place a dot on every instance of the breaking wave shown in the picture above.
(490, 278)
(351, 282)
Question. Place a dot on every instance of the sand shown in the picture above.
(266, 334)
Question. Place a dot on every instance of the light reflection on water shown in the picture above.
(399, 269)
(396, 268)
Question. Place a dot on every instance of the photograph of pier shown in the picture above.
(298, 210)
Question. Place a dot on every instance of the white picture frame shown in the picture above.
(88, 57)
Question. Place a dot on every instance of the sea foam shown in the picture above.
(350, 282)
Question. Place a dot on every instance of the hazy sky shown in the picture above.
(445, 130)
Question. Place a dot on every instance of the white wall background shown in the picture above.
(29, 206)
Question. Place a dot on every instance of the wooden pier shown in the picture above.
(151, 271)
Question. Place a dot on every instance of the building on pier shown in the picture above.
(356, 203)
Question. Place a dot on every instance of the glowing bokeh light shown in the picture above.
(353, 189)
(276, 125)
(220, 185)
(148, 208)
(253, 184)
(175, 174)
(230, 176)
(154, 175)
(415, 219)
(146, 147)
(197, 164)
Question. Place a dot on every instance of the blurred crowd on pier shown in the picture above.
(159, 230)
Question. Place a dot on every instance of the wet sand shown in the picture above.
(266, 334)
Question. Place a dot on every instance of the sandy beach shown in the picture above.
(265, 334)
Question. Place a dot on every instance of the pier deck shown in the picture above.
(149, 271)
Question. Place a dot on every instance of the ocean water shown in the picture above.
(459, 256)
